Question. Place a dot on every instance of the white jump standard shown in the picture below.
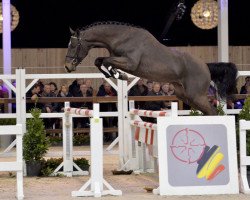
(96, 182)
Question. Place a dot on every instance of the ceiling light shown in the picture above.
(14, 18)
(204, 14)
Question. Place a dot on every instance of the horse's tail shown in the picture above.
(224, 76)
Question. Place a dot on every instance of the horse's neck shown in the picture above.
(100, 37)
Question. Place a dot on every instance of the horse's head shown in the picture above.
(77, 51)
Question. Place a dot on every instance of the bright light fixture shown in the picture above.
(14, 18)
(204, 14)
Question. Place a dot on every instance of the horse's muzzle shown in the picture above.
(69, 68)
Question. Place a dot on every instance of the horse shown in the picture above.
(136, 51)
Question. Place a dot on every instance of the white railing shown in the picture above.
(244, 158)
(16, 166)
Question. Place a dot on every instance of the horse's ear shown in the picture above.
(71, 31)
(77, 32)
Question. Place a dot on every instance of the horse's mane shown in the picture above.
(109, 23)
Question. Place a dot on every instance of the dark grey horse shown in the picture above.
(136, 51)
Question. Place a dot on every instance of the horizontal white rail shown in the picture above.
(79, 111)
(10, 130)
(243, 73)
(64, 76)
(8, 115)
(11, 166)
(150, 113)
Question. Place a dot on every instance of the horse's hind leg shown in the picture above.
(201, 103)
(194, 99)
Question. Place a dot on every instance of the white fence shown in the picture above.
(244, 158)
(16, 166)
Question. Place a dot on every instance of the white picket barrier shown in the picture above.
(96, 181)
(16, 166)
(244, 159)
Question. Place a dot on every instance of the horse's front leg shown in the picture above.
(102, 68)
(122, 63)
(108, 65)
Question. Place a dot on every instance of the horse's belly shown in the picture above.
(158, 75)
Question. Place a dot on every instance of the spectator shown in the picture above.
(155, 105)
(240, 103)
(75, 87)
(234, 104)
(88, 83)
(4, 89)
(171, 90)
(101, 89)
(33, 94)
(40, 83)
(165, 90)
(212, 92)
(107, 91)
(243, 89)
(48, 107)
(150, 86)
(63, 92)
(53, 88)
(139, 90)
(84, 92)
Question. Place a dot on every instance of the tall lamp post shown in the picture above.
(223, 42)
(6, 37)
(9, 19)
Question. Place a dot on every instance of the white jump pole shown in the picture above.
(96, 180)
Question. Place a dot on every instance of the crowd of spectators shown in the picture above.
(83, 88)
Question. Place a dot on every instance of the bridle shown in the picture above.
(76, 57)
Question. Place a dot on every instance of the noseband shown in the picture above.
(76, 57)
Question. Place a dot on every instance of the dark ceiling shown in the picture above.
(45, 23)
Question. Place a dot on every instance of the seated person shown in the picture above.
(63, 92)
(150, 85)
(49, 107)
(84, 92)
(88, 82)
(75, 86)
(155, 105)
(212, 92)
(139, 90)
(243, 89)
(53, 88)
(167, 90)
(107, 92)
(33, 94)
